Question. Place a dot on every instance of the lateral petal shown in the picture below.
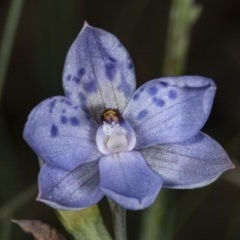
(170, 109)
(61, 134)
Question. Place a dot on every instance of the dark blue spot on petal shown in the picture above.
(125, 87)
(110, 70)
(158, 102)
(172, 94)
(68, 102)
(68, 78)
(54, 131)
(90, 86)
(82, 98)
(87, 117)
(76, 79)
(152, 90)
(136, 96)
(67, 93)
(64, 119)
(74, 121)
(142, 114)
(163, 84)
(111, 59)
(81, 72)
(141, 89)
(130, 64)
(52, 105)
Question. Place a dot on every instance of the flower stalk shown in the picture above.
(183, 14)
(158, 220)
(86, 224)
(119, 221)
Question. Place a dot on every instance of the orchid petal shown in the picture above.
(170, 109)
(194, 163)
(61, 134)
(98, 72)
(70, 190)
(127, 180)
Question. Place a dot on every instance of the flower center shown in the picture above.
(115, 134)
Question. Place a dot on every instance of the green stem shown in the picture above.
(159, 218)
(8, 37)
(119, 221)
(86, 224)
(183, 15)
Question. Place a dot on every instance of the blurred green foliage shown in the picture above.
(45, 31)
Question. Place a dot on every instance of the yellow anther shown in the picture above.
(111, 116)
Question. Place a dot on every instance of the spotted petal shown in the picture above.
(98, 72)
(126, 178)
(70, 190)
(61, 134)
(194, 163)
(170, 110)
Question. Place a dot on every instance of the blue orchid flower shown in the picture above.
(106, 138)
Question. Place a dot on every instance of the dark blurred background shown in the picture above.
(45, 31)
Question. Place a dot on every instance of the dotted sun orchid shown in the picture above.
(105, 138)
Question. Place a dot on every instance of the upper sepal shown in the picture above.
(98, 72)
